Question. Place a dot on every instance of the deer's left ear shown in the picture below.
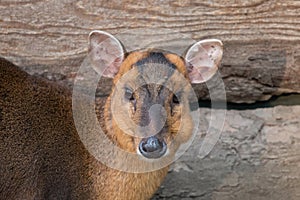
(203, 58)
(107, 53)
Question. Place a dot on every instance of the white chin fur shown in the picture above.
(148, 159)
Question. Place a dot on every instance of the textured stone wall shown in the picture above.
(257, 157)
(261, 37)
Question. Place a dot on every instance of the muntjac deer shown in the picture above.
(41, 153)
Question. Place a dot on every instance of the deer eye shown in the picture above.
(129, 95)
(175, 99)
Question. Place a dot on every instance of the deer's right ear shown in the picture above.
(107, 53)
(203, 59)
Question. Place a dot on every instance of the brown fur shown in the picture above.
(41, 155)
(128, 142)
(128, 63)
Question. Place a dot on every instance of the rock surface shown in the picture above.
(258, 154)
(257, 157)
(261, 37)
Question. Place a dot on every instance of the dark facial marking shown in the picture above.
(156, 57)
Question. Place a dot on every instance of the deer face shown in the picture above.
(150, 103)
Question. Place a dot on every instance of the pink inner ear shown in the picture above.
(106, 53)
(205, 57)
(197, 75)
(113, 68)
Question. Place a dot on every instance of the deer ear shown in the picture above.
(203, 58)
(106, 53)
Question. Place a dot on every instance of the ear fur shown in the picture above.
(203, 58)
(106, 53)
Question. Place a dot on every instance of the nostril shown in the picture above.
(151, 144)
(152, 147)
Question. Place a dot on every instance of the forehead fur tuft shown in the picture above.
(140, 58)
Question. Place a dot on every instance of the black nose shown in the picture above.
(152, 147)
